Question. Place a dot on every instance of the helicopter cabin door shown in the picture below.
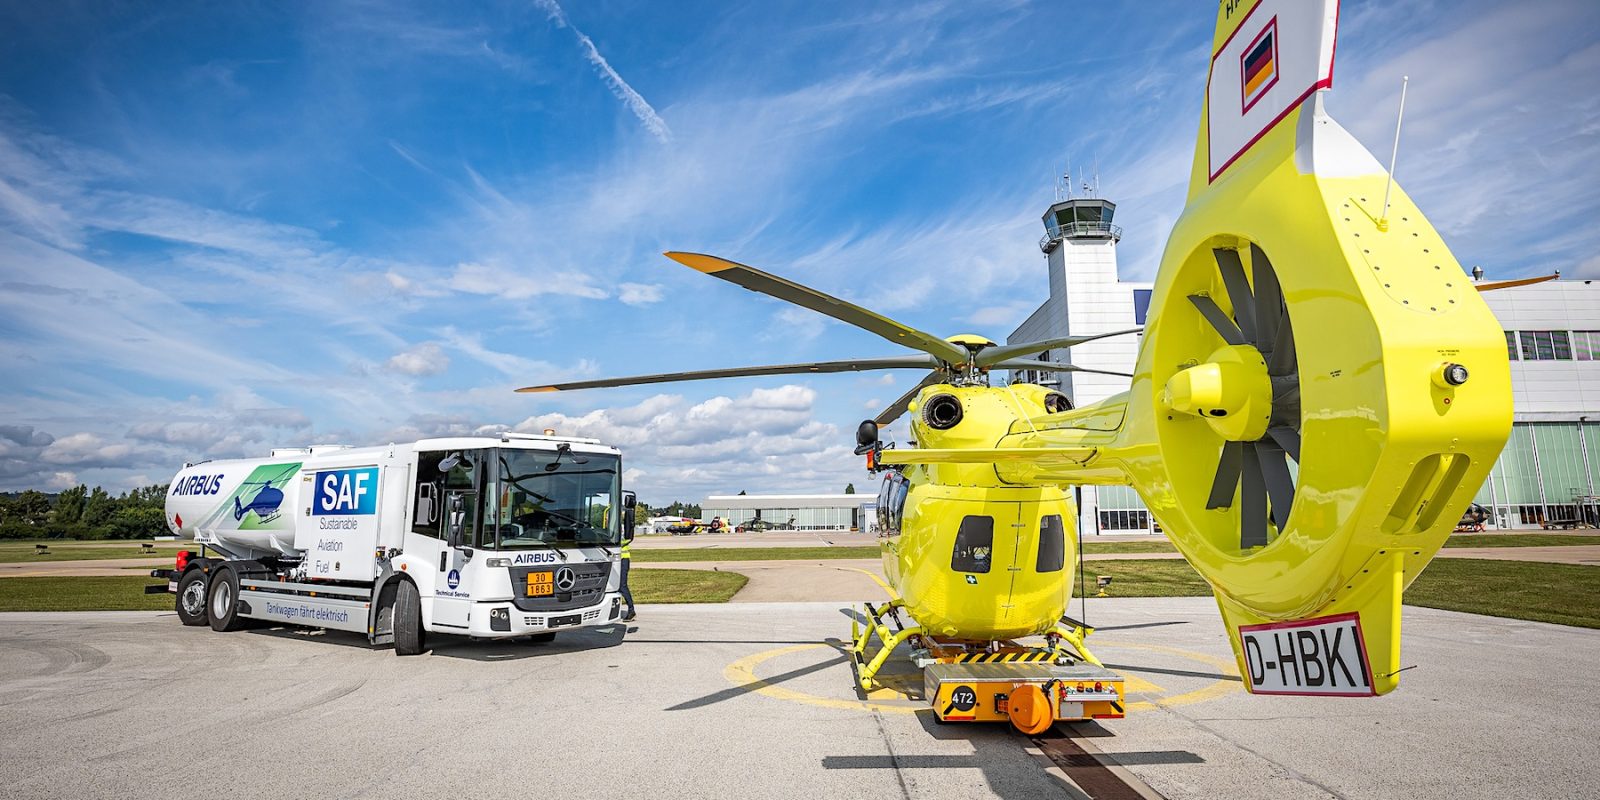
(987, 539)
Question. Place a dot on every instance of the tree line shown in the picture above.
(84, 513)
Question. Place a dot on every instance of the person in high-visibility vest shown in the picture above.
(627, 558)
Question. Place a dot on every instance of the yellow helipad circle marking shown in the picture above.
(742, 673)
(1210, 691)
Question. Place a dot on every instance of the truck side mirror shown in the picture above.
(458, 515)
(630, 508)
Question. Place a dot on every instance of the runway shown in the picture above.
(754, 700)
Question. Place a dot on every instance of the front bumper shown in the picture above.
(502, 619)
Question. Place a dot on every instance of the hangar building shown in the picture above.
(806, 512)
(1549, 472)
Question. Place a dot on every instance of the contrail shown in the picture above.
(619, 87)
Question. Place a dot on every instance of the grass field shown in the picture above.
(127, 594)
(1566, 594)
(1143, 578)
(684, 585)
(1096, 548)
(18, 552)
(80, 594)
(669, 554)
(1521, 539)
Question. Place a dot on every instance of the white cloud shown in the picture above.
(619, 87)
(767, 439)
(640, 294)
(495, 281)
(58, 481)
(86, 450)
(422, 360)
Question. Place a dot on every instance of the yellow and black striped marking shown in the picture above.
(1029, 656)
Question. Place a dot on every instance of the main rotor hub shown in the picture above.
(1231, 391)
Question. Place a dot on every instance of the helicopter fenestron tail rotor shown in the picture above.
(1249, 392)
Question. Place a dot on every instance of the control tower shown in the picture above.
(1080, 249)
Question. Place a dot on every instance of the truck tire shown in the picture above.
(222, 602)
(542, 638)
(409, 638)
(192, 600)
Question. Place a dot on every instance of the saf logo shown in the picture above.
(346, 491)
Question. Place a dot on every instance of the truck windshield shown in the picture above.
(547, 498)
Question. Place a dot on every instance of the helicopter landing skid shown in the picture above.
(1064, 644)
(861, 637)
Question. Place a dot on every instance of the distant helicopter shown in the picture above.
(1318, 394)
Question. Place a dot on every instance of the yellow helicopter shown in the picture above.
(1318, 394)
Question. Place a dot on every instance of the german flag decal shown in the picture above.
(1259, 64)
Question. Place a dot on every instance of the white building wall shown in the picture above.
(1086, 297)
(1552, 390)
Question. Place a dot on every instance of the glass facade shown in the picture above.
(837, 518)
(1545, 476)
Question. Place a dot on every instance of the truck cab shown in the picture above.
(514, 539)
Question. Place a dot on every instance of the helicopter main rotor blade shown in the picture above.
(994, 355)
(773, 286)
(1051, 366)
(898, 407)
(814, 367)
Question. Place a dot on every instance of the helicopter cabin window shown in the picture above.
(884, 504)
(1052, 544)
(974, 544)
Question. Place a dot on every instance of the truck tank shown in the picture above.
(244, 507)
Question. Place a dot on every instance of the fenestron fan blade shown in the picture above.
(898, 407)
(773, 286)
(995, 355)
(1252, 503)
(1219, 321)
(1229, 463)
(1239, 294)
(1287, 438)
(1283, 360)
(1280, 485)
(1051, 366)
(1269, 299)
(852, 365)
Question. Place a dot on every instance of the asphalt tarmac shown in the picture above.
(755, 701)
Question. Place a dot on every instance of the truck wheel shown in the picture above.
(223, 602)
(409, 638)
(191, 601)
(542, 638)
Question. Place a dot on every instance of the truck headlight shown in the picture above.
(497, 562)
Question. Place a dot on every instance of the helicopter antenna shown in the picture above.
(1394, 154)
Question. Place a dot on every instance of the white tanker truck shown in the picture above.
(489, 537)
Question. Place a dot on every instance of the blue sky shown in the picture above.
(225, 228)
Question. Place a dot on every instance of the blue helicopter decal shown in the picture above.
(265, 503)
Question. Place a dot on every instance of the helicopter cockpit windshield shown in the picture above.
(544, 499)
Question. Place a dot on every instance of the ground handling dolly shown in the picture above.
(1030, 687)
